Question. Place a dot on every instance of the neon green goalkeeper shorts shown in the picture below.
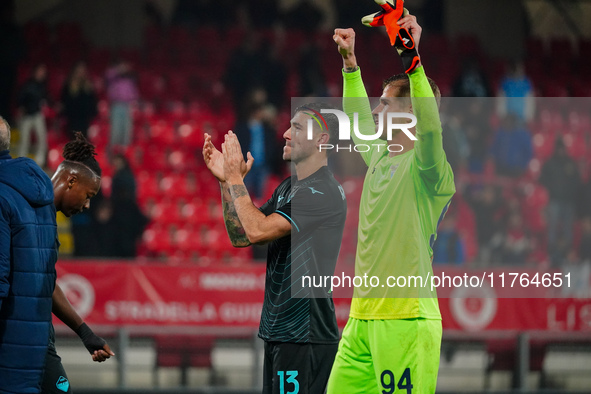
(387, 357)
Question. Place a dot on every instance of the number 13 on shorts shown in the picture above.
(389, 383)
(288, 377)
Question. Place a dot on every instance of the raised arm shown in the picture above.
(258, 227)
(214, 161)
(355, 98)
(429, 144)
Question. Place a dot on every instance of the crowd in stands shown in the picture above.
(520, 148)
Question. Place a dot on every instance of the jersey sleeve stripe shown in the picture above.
(290, 219)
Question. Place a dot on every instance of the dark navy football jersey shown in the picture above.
(316, 207)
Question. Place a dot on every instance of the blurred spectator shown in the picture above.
(514, 244)
(263, 13)
(477, 130)
(31, 101)
(516, 94)
(123, 185)
(585, 242)
(84, 231)
(471, 82)
(486, 204)
(455, 142)
(512, 148)
(78, 99)
(275, 74)
(244, 72)
(349, 12)
(104, 232)
(258, 137)
(305, 15)
(13, 48)
(312, 81)
(560, 176)
(584, 198)
(432, 15)
(127, 220)
(153, 14)
(195, 13)
(122, 92)
(448, 247)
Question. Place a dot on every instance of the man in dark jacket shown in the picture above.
(259, 138)
(31, 100)
(28, 253)
(560, 176)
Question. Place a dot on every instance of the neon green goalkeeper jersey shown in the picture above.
(403, 200)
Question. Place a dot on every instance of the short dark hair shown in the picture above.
(405, 85)
(331, 122)
(82, 151)
(4, 137)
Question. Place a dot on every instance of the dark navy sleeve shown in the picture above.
(269, 207)
(4, 251)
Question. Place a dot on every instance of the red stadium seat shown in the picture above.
(98, 59)
(54, 157)
(165, 213)
(468, 45)
(161, 134)
(562, 48)
(536, 199)
(151, 85)
(37, 34)
(553, 89)
(580, 89)
(130, 55)
(533, 169)
(579, 122)
(155, 159)
(148, 184)
(169, 183)
(179, 38)
(190, 135)
(535, 48)
(576, 144)
(195, 213)
(68, 33)
(184, 159)
(543, 146)
(156, 241)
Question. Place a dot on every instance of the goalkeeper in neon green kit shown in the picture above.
(392, 340)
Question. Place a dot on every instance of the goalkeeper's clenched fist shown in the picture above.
(345, 39)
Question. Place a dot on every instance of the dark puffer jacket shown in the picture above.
(28, 253)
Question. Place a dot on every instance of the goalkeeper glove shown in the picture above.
(400, 38)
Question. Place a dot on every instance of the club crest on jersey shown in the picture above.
(62, 384)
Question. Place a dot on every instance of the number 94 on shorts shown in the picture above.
(387, 357)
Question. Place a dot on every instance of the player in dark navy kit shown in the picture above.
(303, 223)
(76, 181)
